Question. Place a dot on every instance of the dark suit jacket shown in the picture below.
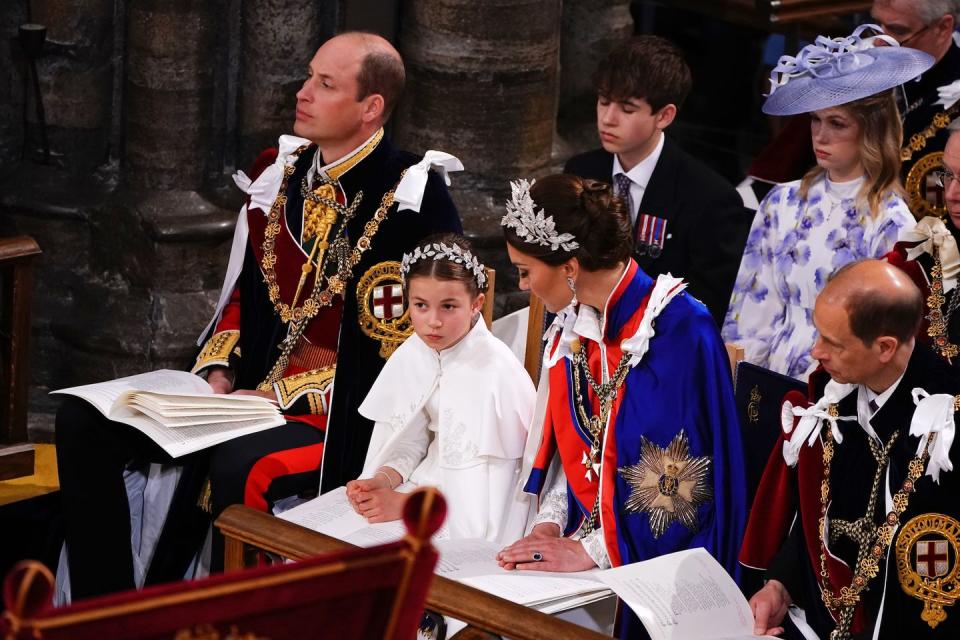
(707, 222)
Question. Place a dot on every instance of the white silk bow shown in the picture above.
(562, 324)
(949, 94)
(934, 415)
(263, 191)
(409, 193)
(934, 238)
(812, 419)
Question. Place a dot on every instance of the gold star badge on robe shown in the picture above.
(668, 484)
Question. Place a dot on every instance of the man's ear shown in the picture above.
(946, 25)
(886, 347)
(665, 116)
(373, 108)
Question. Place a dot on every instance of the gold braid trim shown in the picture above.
(292, 387)
(217, 350)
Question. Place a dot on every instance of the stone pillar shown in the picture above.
(275, 50)
(76, 80)
(168, 96)
(11, 87)
(481, 84)
(591, 28)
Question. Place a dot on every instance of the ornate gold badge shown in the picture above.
(383, 315)
(927, 550)
(668, 484)
(925, 195)
(753, 407)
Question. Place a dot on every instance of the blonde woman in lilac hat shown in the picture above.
(846, 208)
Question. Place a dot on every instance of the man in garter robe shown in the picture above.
(856, 518)
(309, 296)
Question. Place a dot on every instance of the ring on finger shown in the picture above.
(537, 556)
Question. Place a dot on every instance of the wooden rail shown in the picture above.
(247, 531)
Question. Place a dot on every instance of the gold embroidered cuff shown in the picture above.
(217, 350)
(313, 382)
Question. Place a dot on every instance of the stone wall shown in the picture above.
(134, 209)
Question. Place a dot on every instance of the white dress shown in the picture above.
(793, 247)
(457, 420)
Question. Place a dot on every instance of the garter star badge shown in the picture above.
(668, 484)
(927, 551)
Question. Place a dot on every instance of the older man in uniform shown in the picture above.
(855, 520)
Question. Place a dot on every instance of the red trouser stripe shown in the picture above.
(275, 465)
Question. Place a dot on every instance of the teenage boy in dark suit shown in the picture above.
(687, 220)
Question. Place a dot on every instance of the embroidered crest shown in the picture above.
(925, 195)
(668, 484)
(388, 301)
(382, 314)
(753, 407)
(927, 550)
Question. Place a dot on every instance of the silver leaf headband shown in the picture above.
(535, 228)
(442, 251)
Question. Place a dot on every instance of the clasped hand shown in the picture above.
(375, 500)
(556, 552)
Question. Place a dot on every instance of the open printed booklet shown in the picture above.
(178, 410)
(680, 596)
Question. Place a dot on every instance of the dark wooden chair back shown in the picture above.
(350, 593)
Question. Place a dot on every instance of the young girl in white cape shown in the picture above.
(451, 406)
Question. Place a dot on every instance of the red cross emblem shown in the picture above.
(933, 560)
(388, 301)
(932, 191)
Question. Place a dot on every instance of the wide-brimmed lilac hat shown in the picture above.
(834, 71)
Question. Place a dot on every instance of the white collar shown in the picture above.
(590, 325)
(641, 173)
(865, 395)
(476, 333)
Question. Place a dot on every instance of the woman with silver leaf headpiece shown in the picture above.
(635, 450)
(848, 207)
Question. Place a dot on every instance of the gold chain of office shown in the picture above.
(872, 541)
(919, 140)
(939, 320)
(596, 425)
(339, 249)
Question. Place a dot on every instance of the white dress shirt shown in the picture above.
(639, 177)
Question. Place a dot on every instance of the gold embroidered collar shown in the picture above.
(336, 169)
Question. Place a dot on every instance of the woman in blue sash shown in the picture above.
(635, 450)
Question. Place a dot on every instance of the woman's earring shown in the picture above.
(573, 289)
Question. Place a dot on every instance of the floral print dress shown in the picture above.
(793, 247)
